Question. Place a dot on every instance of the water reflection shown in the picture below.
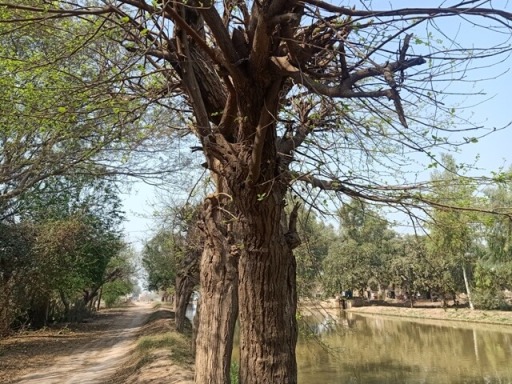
(191, 311)
(357, 349)
(373, 349)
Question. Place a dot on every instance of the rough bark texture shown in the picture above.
(268, 329)
(219, 298)
(186, 280)
(267, 289)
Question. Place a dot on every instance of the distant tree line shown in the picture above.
(454, 252)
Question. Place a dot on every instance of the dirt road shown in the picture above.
(92, 359)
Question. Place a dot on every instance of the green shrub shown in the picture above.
(490, 299)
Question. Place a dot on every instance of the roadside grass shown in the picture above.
(177, 346)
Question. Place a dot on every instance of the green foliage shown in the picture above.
(160, 258)
(316, 239)
(414, 269)
(65, 109)
(360, 254)
(498, 229)
(451, 243)
(113, 290)
(233, 372)
(118, 277)
(490, 300)
(491, 280)
(61, 248)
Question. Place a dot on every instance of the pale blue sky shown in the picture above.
(494, 150)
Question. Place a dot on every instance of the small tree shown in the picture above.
(160, 258)
(452, 233)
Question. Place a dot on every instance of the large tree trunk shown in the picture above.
(186, 280)
(219, 298)
(188, 276)
(267, 287)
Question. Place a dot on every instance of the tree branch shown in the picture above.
(475, 11)
(219, 31)
(61, 12)
(267, 118)
(405, 195)
(292, 236)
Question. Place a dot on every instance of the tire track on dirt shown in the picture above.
(96, 361)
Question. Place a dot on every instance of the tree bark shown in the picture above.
(219, 298)
(267, 287)
(188, 276)
(186, 280)
(98, 303)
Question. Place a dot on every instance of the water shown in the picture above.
(370, 349)
(191, 311)
(373, 349)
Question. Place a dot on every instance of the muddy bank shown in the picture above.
(435, 313)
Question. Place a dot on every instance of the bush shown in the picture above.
(490, 299)
(114, 290)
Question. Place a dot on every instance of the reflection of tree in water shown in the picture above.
(322, 325)
(384, 350)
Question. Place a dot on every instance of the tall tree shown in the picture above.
(284, 93)
(171, 258)
(316, 239)
(498, 229)
(493, 270)
(362, 250)
(187, 278)
(452, 233)
(160, 258)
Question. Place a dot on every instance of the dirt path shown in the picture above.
(92, 357)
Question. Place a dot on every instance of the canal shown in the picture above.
(370, 349)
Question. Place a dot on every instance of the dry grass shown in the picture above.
(161, 354)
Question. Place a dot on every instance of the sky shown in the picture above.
(494, 151)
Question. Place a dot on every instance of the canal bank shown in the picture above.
(422, 310)
(434, 313)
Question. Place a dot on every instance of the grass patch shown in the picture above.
(176, 344)
(159, 315)
(233, 372)
(158, 343)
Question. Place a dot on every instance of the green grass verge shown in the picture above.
(176, 344)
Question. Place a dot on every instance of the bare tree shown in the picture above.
(301, 95)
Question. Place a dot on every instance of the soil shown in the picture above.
(422, 310)
(100, 350)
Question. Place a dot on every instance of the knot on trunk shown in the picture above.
(292, 237)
